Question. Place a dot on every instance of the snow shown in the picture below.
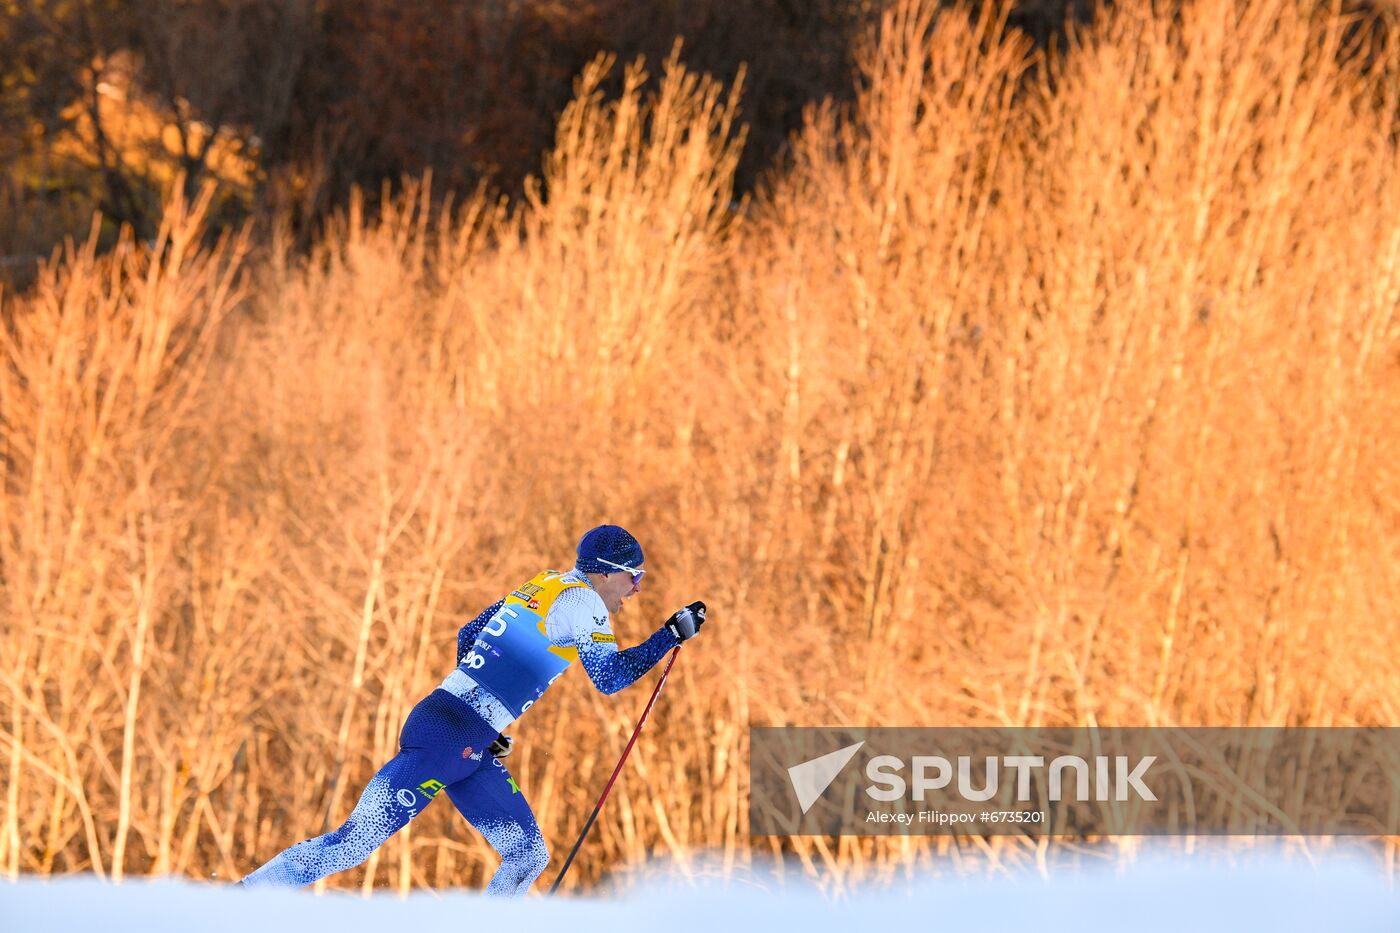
(1166, 891)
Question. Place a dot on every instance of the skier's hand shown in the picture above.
(502, 747)
(685, 623)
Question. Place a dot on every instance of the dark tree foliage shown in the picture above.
(50, 75)
(322, 96)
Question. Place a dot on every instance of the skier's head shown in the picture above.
(609, 549)
(612, 553)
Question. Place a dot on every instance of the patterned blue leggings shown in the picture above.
(442, 747)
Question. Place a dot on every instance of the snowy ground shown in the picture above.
(1164, 892)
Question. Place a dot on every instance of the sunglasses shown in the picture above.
(636, 574)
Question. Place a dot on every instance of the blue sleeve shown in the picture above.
(466, 636)
(612, 670)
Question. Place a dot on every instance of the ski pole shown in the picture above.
(635, 732)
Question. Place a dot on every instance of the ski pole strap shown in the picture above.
(616, 771)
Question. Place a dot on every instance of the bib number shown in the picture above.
(497, 626)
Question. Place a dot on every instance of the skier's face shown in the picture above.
(616, 587)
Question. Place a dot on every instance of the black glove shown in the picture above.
(685, 623)
(502, 746)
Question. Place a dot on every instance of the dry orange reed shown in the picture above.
(1023, 395)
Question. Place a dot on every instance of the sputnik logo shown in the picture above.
(811, 778)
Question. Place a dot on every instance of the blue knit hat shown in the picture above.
(610, 543)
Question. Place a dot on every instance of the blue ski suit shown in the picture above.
(508, 656)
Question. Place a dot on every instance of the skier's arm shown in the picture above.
(466, 636)
(578, 619)
(611, 669)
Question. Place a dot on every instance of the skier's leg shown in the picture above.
(390, 800)
(435, 750)
(493, 803)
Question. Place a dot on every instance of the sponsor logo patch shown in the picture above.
(609, 639)
(431, 788)
(529, 591)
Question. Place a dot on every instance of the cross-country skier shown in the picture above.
(453, 739)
